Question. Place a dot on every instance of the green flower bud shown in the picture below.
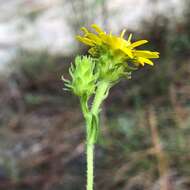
(83, 82)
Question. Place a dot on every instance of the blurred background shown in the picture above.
(144, 144)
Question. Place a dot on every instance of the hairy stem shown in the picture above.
(90, 166)
(101, 94)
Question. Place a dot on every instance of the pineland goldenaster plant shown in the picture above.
(110, 59)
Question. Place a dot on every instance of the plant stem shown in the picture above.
(100, 95)
(90, 166)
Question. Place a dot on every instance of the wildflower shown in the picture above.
(100, 42)
(93, 76)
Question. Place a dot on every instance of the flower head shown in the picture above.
(83, 80)
(101, 42)
(112, 58)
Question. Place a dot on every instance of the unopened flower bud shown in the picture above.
(83, 78)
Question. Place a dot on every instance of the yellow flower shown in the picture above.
(116, 44)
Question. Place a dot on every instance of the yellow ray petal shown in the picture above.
(97, 28)
(84, 30)
(129, 38)
(143, 60)
(105, 38)
(138, 43)
(128, 52)
(146, 54)
(123, 33)
(85, 40)
(96, 39)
